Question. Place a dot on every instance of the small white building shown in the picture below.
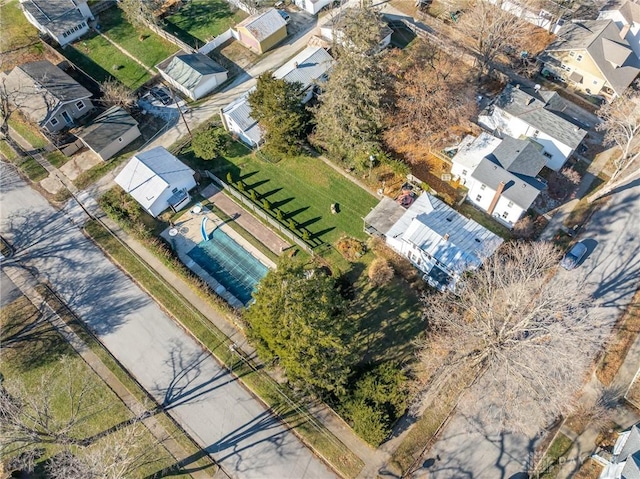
(540, 115)
(194, 74)
(312, 6)
(236, 118)
(62, 20)
(500, 174)
(438, 240)
(157, 180)
(110, 132)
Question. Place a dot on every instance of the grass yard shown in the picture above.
(7, 152)
(143, 44)
(550, 464)
(199, 21)
(27, 130)
(102, 61)
(303, 188)
(19, 41)
(57, 158)
(32, 349)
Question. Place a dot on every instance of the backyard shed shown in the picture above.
(157, 180)
(110, 132)
(262, 31)
(194, 74)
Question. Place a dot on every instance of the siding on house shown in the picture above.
(263, 31)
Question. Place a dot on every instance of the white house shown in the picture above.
(626, 16)
(540, 115)
(333, 32)
(194, 74)
(110, 132)
(312, 6)
(63, 20)
(310, 67)
(157, 180)
(438, 240)
(625, 461)
(500, 175)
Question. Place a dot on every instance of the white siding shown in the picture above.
(115, 146)
(161, 203)
(507, 214)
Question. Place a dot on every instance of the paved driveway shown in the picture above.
(204, 397)
(610, 271)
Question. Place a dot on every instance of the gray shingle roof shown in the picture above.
(520, 157)
(57, 15)
(631, 445)
(308, 67)
(542, 110)
(55, 81)
(188, 69)
(630, 11)
(384, 215)
(107, 128)
(598, 38)
(264, 24)
(428, 221)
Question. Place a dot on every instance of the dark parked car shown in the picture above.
(162, 95)
(573, 256)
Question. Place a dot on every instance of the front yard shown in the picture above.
(199, 21)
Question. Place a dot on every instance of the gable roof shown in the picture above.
(307, 67)
(631, 469)
(601, 39)
(56, 15)
(631, 12)
(149, 173)
(240, 112)
(520, 157)
(543, 110)
(631, 445)
(189, 69)
(472, 150)
(263, 25)
(456, 241)
(46, 86)
(107, 128)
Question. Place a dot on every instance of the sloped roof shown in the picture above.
(428, 221)
(263, 25)
(630, 11)
(107, 128)
(189, 69)
(149, 173)
(41, 87)
(601, 39)
(384, 215)
(472, 150)
(631, 469)
(631, 445)
(240, 112)
(543, 110)
(520, 157)
(57, 15)
(307, 67)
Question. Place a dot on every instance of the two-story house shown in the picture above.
(47, 95)
(62, 20)
(626, 15)
(540, 115)
(592, 56)
(500, 174)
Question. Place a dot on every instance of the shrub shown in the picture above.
(380, 272)
(292, 224)
(266, 205)
(240, 185)
(400, 264)
(210, 143)
(368, 422)
(350, 248)
(229, 178)
(254, 197)
(305, 235)
(279, 215)
(524, 228)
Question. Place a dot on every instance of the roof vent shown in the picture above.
(478, 240)
(537, 87)
(517, 86)
(295, 65)
(446, 237)
(530, 100)
(449, 219)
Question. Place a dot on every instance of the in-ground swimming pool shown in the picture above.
(230, 264)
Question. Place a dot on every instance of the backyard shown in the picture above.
(19, 42)
(202, 20)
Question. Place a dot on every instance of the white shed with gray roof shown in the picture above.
(237, 119)
(310, 67)
(194, 74)
(110, 132)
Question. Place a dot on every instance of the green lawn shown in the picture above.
(102, 61)
(143, 44)
(198, 21)
(7, 151)
(19, 40)
(303, 188)
(57, 158)
(32, 349)
(28, 131)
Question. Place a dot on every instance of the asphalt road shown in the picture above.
(205, 398)
(610, 272)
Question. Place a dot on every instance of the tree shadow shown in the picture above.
(253, 186)
(321, 233)
(307, 223)
(269, 193)
(280, 203)
(294, 213)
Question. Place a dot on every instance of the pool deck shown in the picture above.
(189, 236)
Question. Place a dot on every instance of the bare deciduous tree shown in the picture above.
(526, 335)
(117, 94)
(139, 13)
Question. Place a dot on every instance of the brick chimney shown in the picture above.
(496, 197)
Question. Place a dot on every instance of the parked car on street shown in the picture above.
(573, 256)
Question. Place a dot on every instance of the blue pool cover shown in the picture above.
(230, 264)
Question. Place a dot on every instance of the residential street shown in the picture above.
(205, 398)
(610, 271)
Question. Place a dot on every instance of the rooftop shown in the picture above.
(57, 15)
(240, 112)
(188, 69)
(263, 25)
(106, 128)
(307, 67)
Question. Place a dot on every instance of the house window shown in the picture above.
(546, 154)
(595, 82)
(120, 139)
(536, 133)
(64, 34)
(482, 187)
(572, 54)
(175, 190)
(54, 121)
(505, 214)
(80, 105)
(510, 204)
(579, 58)
(478, 198)
(464, 172)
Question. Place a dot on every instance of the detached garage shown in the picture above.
(194, 74)
(110, 132)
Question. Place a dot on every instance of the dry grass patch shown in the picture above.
(624, 334)
(589, 470)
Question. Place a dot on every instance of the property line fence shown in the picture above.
(249, 204)
(217, 41)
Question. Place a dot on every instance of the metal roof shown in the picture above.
(57, 15)
(264, 24)
(308, 67)
(240, 112)
(454, 240)
(188, 69)
(107, 128)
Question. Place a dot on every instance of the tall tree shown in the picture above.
(210, 143)
(276, 105)
(432, 97)
(350, 114)
(525, 333)
(117, 94)
(299, 318)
